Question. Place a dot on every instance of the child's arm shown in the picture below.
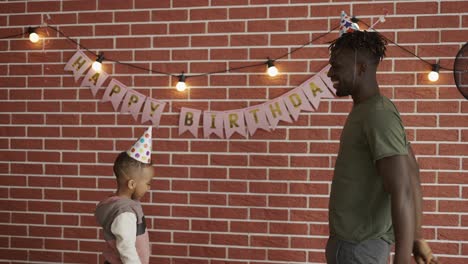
(124, 229)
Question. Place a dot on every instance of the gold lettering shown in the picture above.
(275, 110)
(233, 120)
(314, 88)
(133, 100)
(213, 118)
(254, 112)
(188, 118)
(80, 61)
(153, 108)
(115, 89)
(295, 100)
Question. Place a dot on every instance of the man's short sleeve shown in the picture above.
(385, 134)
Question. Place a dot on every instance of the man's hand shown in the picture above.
(422, 253)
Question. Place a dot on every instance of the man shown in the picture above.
(375, 198)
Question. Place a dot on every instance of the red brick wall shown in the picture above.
(257, 200)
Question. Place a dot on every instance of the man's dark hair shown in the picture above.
(124, 164)
(372, 42)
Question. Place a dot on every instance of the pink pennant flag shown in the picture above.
(94, 80)
(132, 103)
(213, 123)
(234, 122)
(255, 118)
(325, 79)
(276, 111)
(78, 63)
(152, 111)
(296, 101)
(115, 91)
(189, 120)
(315, 89)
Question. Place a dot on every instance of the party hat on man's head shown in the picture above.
(141, 150)
(346, 25)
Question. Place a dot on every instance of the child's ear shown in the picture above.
(131, 184)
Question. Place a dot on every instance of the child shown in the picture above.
(121, 215)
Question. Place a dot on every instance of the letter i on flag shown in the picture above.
(213, 123)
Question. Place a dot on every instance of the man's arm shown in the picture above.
(421, 251)
(397, 182)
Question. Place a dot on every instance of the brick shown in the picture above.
(453, 7)
(266, 26)
(212, 252)
(288, 228)
(223, 239)
(288, 12)
(247, 12)
(209, 225)
(429, 7)
(246, 253)
(191, 238)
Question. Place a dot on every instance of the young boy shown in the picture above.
(121, 215)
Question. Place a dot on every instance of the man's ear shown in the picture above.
(131, 184)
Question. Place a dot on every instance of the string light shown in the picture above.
(33, 36)
(181, 86)
(272, 70)
(97, 65)
(433, 76)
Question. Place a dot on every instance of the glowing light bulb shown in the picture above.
(181, 86)
(97, 66)
(433, 76)
(34, 37)
(272, 70)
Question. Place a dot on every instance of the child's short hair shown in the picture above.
(124, 165)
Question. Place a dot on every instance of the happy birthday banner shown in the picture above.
(266, 116)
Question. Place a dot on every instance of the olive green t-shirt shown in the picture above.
(359, 207)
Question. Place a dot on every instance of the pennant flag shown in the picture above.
(115, 91)
(78, 63)
(234, 122)
(275, 111)
(325, 79)
(255, 118)
(213, 123)
(133, 102)
(296, 101)
(152, 111)
(189, 120)
(315, 89)
(94, 80)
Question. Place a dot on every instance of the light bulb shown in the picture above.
(272, 71)
(97, 66)
(34, 37)
(434, 74)
(181, 86)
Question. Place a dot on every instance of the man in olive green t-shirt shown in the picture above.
(375, 198)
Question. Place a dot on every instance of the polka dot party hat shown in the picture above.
(141, 150)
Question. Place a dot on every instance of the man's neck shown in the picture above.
(369, 90)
